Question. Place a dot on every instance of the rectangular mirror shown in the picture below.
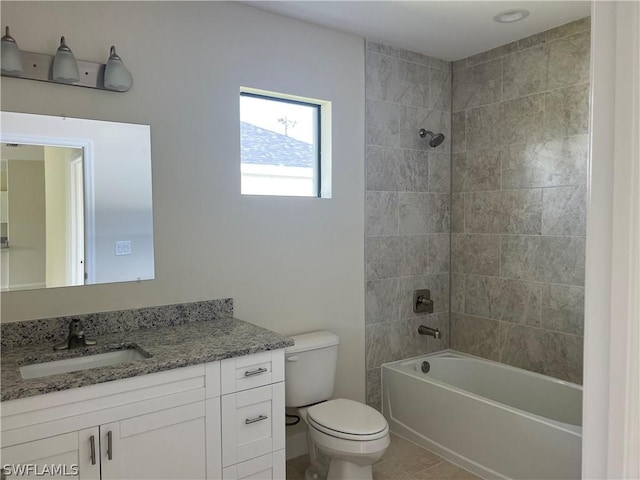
(75, 202)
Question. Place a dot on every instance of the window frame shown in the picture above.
(317, 164)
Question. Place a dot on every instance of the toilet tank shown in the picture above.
(310, 368)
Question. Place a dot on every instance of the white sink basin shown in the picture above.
(86, 362)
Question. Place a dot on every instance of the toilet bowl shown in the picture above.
(344, 437)
(348, 436)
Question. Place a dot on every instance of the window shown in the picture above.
(280, 145)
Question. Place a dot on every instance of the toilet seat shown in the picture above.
(347, 419)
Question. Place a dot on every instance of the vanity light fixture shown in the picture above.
(116, 76)
(64, 68)
(11, 60)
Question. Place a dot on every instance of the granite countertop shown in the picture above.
(169, 347)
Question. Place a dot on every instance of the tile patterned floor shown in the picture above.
(403, 460)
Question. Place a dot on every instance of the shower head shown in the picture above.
(436, 138)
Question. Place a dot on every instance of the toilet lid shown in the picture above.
(342, 416)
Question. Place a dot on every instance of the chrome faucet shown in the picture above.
(432, 332)
(76, 337)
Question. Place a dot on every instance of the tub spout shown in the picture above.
(432, 332)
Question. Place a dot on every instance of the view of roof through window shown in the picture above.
(279, 146)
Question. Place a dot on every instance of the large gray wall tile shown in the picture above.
(550, 353)
(457, 292)
(565, 210)
(382, 300)
(382, 168)
(511, 211)
(519, 256)
(476, 170)
(413, 171)
(546, 164)
(388, 342)
(374, 389)
(394, 80)
(382, 257)
(440, 172)
(475, 254)
(457, 212)
(477, 85)
(381, 213)
(484, 127)
(563, 308)
(569, 59)
(423, 213)
(522, 120)
(439, 252)
(440, 89)
(571, 28)
(562, 260)
(385, 343)
(383, 123)
(502, 299)
(525, 72)
(458, 132)
(476, 336)
(413, 255)
(544, 259)
(566, 112)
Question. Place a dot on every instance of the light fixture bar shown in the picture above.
(39, 66)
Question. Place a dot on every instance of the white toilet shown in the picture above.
(344, 437)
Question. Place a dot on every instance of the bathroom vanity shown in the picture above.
(208, 402)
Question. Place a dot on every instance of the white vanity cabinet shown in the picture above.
(166, 425)
(253, 420)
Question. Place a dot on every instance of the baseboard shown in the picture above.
(296, 445)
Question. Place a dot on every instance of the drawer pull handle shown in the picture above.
(259, 418)
(257, 371)
(109, 445)
(92, 441)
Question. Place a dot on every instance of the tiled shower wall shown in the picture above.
(407, 205)
(519, 184)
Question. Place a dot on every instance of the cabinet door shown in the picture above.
(63, 456)
(164, 445)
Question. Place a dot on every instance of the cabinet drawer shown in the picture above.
(266, 467)
(252, 423)
(251, 371)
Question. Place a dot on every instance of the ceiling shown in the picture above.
(449, 30)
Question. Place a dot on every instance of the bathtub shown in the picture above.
(495, 420)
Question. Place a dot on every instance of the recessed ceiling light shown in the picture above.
(512, 15)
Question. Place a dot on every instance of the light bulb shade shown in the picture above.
(11, 60)
(116, 76)
(65, 67)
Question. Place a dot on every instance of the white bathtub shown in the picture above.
(494, 420)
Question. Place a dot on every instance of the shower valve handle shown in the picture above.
(422, 302)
